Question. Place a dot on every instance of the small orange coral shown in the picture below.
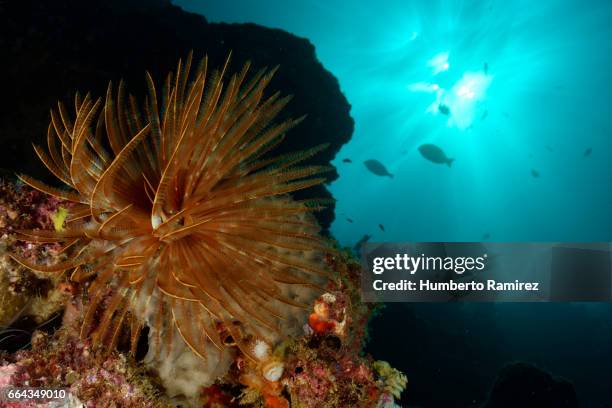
(182, 221)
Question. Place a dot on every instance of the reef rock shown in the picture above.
(526, 386)
(87, 377)
(52, 49)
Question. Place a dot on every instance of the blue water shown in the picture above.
(547, 93)
(550, 88)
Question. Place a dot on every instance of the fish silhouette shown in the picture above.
(377, 168)
(347, 161)
(444, 109)
(535, 173)
(588, 152)
(382, 227)
(349, 220)
(434, 154)
(361, 243)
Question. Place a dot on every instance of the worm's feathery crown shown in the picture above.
(179, 207)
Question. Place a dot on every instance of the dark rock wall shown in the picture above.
(526, 386)
(51, 49)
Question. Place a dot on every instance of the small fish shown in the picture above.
(535, 173)
(382, 227)
(361, 243)
(349, 220)
(588, 152)
(550, 149)
(484, 115)
(377, 168)
(444, 109)
(486, 236)
(434, 154)
(347, 161)
(486, 68)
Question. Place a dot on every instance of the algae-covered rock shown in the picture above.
(63, 361)
(23, 292)
(11, 303)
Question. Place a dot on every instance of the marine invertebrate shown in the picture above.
(181, 220)
(394, 381)
(329, 315)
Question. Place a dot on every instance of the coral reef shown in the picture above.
(320, 367)
(92, 380)
(323, 367)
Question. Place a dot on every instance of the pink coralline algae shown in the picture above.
(63, 361)
(322, 373)
(6, 374)
(21, 208)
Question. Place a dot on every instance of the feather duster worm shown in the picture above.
(180, 215)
